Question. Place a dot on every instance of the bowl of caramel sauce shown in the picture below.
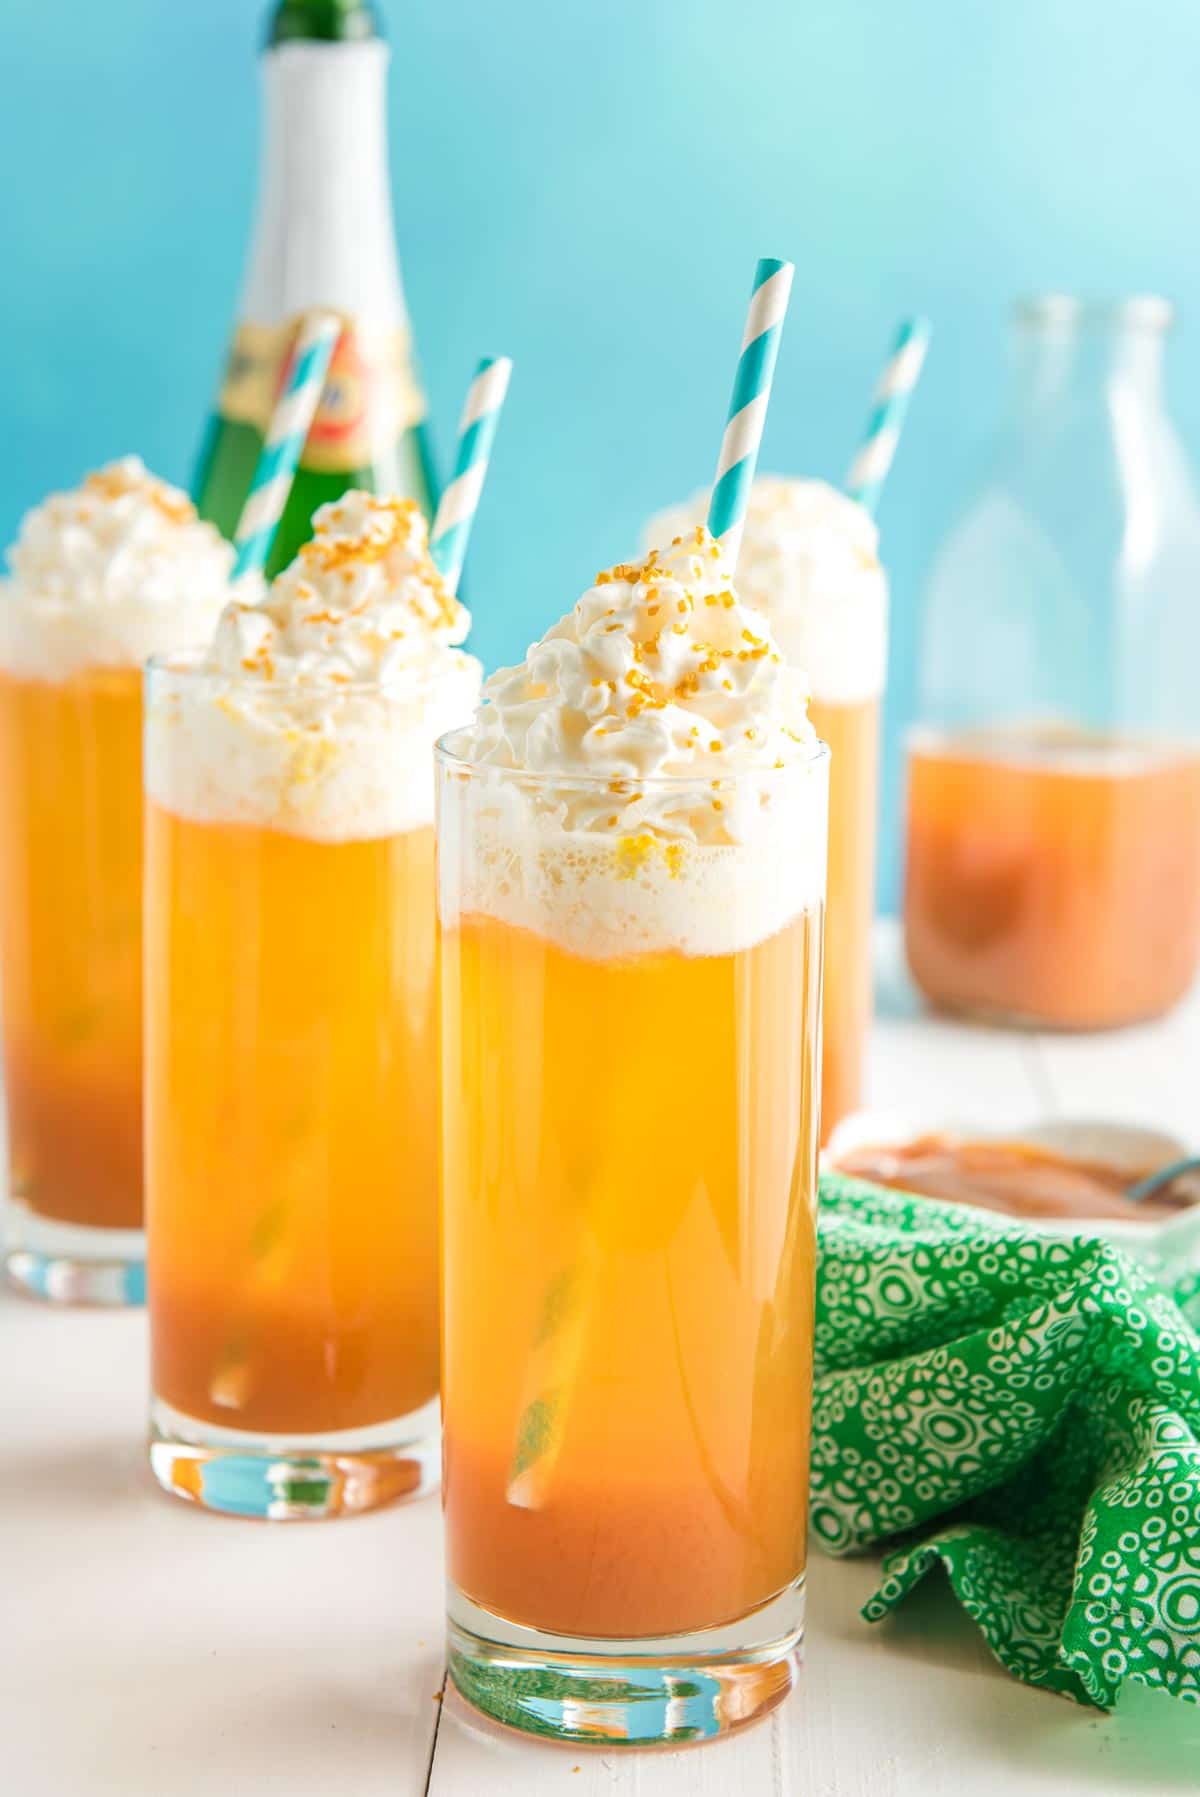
(1062, 1176)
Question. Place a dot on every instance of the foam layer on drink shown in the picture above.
(809, 562)
(105, 576)
(647, 779)
(315, 710)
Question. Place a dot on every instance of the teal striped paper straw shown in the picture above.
(286, 434)
(871, 466)
(748, 404)
(460, 501)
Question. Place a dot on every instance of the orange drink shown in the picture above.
(852, 733)
(309, 1306)
(101, 577)
(71, 944)
(291, 1048)
(809, 563)
(1053, 877)
(631, 1026)
(691, 1513)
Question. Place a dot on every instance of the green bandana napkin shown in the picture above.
(1038, 1399)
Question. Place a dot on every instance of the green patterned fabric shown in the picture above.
(1024, 1412)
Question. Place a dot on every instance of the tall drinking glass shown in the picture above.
(809, 562)
(291, 1090)
(631, 1047)
(102, 576)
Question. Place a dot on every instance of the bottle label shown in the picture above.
(371, 395)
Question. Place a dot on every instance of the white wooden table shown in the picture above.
(147, 1650)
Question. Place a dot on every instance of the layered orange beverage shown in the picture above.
(101, 578)
(632, 849)
(1053, 877)
(291, 1049)
(809, 562)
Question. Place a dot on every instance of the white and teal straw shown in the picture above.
(460, 501)
(871, 466)
(748, 404)
(285, 438)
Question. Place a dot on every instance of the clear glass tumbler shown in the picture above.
(846, 708)
(1053, 844)
(291, 1096)
(630, 1051)
(71, 976)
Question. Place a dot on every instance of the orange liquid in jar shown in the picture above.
(628, 1234)
(1053, 879)
(852, 732)
(71, 943)
(292, 1103)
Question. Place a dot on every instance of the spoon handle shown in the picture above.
(1154, 1182)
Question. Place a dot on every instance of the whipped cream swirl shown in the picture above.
(315, 710)
(362, 602)
(660, 673)
(647, 780)
(809, 563)
(105, 576)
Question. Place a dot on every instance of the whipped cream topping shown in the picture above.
(668, 789)
(105, 576)
(315, 710)
(809, 563)
(659, 673)
(361, 602)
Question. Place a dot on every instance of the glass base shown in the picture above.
(282, 1479)
(636, 1693)
(65, 1263)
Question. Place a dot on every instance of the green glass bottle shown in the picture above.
(324, 237)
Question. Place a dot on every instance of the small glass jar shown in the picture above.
(1053, 836)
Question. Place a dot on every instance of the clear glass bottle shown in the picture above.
(1053, 837)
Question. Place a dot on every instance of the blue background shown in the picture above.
(587, 187)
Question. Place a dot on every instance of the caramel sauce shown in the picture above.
(1021, 1179)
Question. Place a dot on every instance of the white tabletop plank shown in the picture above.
(939, 1067)
(474, 1758)
(913, 1707)
(1147, 1075)
(148, 1648)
